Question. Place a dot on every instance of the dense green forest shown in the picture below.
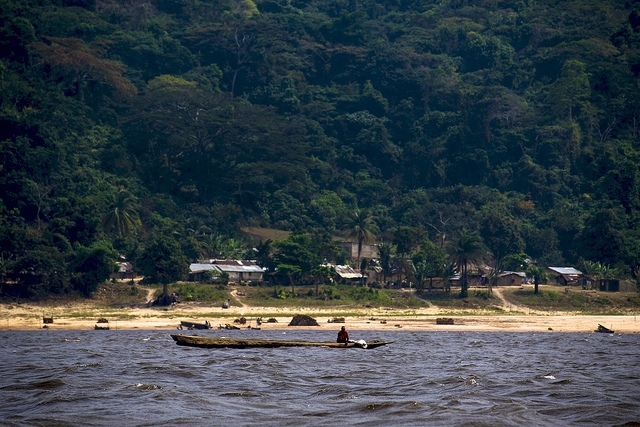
(158, 129)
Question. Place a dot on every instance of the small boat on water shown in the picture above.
(193, 325)
(603, 329)
(223, 342)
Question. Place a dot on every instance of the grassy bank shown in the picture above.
(570, 299)
(346, 297)
(343, 299)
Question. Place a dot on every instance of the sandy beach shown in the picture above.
(84, 316)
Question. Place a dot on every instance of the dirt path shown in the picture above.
(430, 308)
(150, 293)
(238, 296)
(508, 306)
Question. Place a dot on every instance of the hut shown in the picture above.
(125, 271)
(347, 273)
(565, 276)
(368, 251)
(616, 285)
(510, 278)
(236, 270)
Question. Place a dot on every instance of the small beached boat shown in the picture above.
(228, 326)
(193, 325)
(102, 324)
(604, 329)
(47, 320)
(223, 342)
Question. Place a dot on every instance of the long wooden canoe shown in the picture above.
(217, 342)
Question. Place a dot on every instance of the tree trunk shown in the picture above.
(164, 298)
(233, 82)
(465, 284)
(165, 289)
(293, 290)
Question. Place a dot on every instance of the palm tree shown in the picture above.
(361, 228)
(363, 270)
(466, 249)
(210, 244)
(447, 273)
(598, 271)
(231, 249)
(420, 271)
(122, 217)
(492, 276)
(385, 250)
(539, 275)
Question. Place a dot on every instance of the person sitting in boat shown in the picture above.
(343, 335)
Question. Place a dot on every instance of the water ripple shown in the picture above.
(439, 378)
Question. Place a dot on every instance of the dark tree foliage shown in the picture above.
(515, 120)
(92, 266)
(162, 261)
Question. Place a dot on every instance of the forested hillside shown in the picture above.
(156, 129)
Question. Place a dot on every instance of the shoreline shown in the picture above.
(74, 317)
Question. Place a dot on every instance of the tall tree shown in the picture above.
(539, 275)
(293, 272)
(72, 58)
(41, 271)
(571, 88)
(385, 252)
(296, 256)
(362, 228)
(122, 217)
(92, 266)
(406, 239)
(429, 262)
(465, 250)
(163, 262)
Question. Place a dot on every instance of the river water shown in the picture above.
(141, 378)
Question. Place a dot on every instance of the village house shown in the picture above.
(125, 271)
(347, 273)
(237, 270)
(565, 276)
(369, 251)
(436, 284)
(616, 285)
(202, 272)
(374, 274)
(476, 276)
(510, 278)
